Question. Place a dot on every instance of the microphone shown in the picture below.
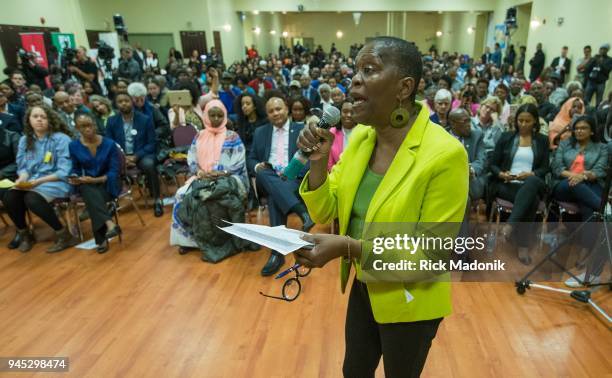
(330, 117)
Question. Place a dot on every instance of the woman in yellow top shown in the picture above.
(398, 167)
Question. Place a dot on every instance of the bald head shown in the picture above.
(61, 101)
(277, 111)
(459, 120)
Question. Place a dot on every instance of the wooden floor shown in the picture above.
(143, 310)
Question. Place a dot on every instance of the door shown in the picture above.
(193, 40)
(217, 39)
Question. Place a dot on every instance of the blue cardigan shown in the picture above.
(144, 140)
(106, 162)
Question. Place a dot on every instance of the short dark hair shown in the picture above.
(587, 47)
(404, 55)
(531, 109)
(482, 80)
(592, 124)
(564, 48)
(301, 99)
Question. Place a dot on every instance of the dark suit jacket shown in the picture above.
(313, 97)
(9, 122)
(144, 140)
(506, 148)
(567, 64)
(477, 155)
(262, 143)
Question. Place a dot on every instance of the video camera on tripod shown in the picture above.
(106, 54)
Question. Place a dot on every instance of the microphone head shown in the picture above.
(331, 116)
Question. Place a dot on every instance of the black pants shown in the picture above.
(18, 201)
(281, 195)
(148, 166)
(403, 346)
(95, 198)
(526, 198)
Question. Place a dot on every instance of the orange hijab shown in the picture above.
(210, 140)
(561, 121)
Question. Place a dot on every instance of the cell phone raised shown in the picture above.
(180, 98)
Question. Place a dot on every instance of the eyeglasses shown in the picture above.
(292, 287)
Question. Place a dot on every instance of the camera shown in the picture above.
(69, 55)
(105, 51)
(25, 55)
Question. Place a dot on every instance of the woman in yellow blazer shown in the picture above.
(401, 167)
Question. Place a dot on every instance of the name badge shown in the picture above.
(134, 132)
(48, 157)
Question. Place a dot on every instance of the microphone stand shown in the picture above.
(603, 240)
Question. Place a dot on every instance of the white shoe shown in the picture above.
(572, 282)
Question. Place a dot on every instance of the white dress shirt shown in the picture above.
(284, 153)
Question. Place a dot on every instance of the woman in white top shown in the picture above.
(519, 164)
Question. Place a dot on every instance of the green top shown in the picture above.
(363, 197)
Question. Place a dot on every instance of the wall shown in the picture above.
(455, 37)
(64, 14)
(365, 5)
(207, 15)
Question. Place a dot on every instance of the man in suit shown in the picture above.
(274, 144)
(309, 92)
(134, 132)
(561, 65)
(486, 57)
(471, 138)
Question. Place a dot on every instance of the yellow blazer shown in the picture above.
(427, 181)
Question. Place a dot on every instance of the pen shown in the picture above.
(284, 273)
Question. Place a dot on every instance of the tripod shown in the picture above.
(583, 296)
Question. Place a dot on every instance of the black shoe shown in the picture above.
(158, 209)
(308, 224)
(102, 248)
(184, 250)
(275, 262)
(14, 244)
(116, 231)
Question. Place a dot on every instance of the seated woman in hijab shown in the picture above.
(560, 127)
(215, 152)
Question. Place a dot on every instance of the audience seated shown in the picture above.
(134, 132)
(299, 109)
(579, 167)
(341, 132)
(251, 114)
(102, 110)
(487, 121)
(274, 144)
(9, 143)
(8, 120)
(216, 152)
(43, 166)
(442, 106)
(560, 128)
(519, 164)
(96, 168)
(472, 140)
(325, 95)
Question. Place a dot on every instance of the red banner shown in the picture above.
(35, 43)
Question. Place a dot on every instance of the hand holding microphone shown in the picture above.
(314, 142)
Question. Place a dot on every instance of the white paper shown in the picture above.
(279, 238)
(89, 244)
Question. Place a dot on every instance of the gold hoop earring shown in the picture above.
(399, 117)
